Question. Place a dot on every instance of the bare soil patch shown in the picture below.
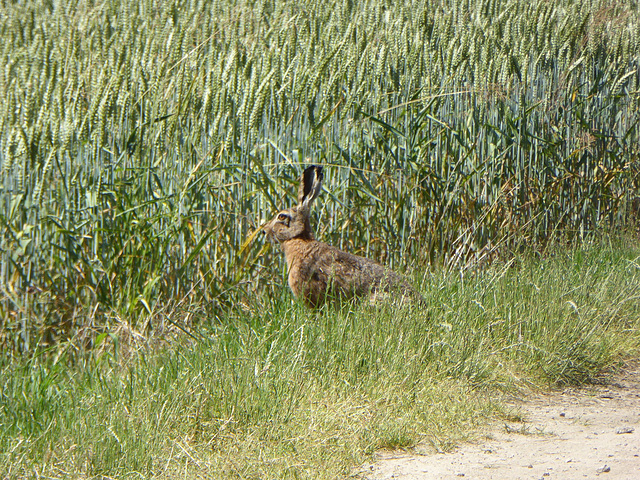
(591, 432)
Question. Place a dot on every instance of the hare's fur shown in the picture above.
(318, 270)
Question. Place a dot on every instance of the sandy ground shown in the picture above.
(576, 434)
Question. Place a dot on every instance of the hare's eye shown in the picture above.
(283, 216)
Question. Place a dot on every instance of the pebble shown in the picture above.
(621, 430)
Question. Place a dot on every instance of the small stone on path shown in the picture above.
(621, 430)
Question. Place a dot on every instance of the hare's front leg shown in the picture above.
(309, 282)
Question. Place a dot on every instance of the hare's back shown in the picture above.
(356, 275)
(321, 269)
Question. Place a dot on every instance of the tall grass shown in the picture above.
(140, 143)
(285, 393)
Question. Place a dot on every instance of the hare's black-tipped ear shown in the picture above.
(310, 185)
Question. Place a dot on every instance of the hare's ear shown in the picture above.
(310, 185)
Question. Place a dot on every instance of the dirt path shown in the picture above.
(576, 434)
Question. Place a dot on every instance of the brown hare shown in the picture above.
(318, 271)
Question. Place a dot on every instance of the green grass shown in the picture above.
(283, 392)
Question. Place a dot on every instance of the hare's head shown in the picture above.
(294, 222)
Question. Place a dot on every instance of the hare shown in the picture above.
(318, 271)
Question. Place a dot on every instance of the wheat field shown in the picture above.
(143, 143)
